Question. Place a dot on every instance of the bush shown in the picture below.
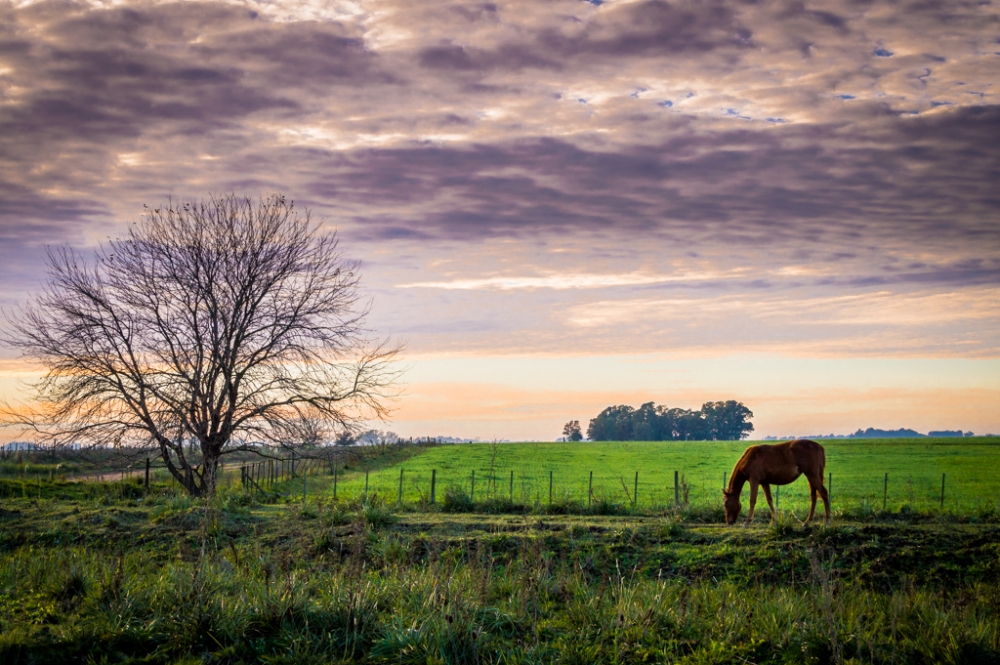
(498, 506)
(457, 500)
(564, 507)
(604, 505)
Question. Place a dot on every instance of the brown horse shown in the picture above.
(779, 464)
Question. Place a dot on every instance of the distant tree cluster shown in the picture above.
(572, 431)
(723, 421)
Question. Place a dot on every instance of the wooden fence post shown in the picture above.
(433, 485)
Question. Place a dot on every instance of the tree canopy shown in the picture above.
(572, 431)
(729, 421)
(218, 323)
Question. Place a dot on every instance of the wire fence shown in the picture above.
(554, 487)
(412, 483)
(657, 490)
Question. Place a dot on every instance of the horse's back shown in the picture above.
(809, 455)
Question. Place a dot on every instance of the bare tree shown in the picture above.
(221, 322)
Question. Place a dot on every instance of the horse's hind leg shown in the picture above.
(826, 499)
(816, 487)
(770, 503)
(812, 505)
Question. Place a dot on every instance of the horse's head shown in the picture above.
(731, 500)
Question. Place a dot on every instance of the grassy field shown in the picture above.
(108, 573)
(858, 469)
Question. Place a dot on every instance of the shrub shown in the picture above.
(457, 500)
(604, 505)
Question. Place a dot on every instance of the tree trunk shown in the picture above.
(209, 473)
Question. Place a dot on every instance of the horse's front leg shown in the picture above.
(770, 503)
(753, 501)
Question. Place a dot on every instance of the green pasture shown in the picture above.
(857, 471)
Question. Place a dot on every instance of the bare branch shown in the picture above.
(214, 322)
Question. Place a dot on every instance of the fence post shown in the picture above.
(677, 491)
(885, 491)
(942, 491)
(434, 475)
(590, 490)
(550, 488)
(512, 485)
(472, 494)
(635, 491)
(400, 501)
(147, 474)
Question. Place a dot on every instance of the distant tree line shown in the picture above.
(903, 433)
(722, 421)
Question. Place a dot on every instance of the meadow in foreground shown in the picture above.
(108, 573)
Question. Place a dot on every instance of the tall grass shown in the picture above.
(335, 582)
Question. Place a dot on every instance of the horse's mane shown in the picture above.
(738, 468)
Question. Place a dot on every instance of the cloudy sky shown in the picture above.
(563, 205)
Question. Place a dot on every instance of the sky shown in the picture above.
(558, 206)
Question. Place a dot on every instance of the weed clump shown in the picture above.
(375, 514)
